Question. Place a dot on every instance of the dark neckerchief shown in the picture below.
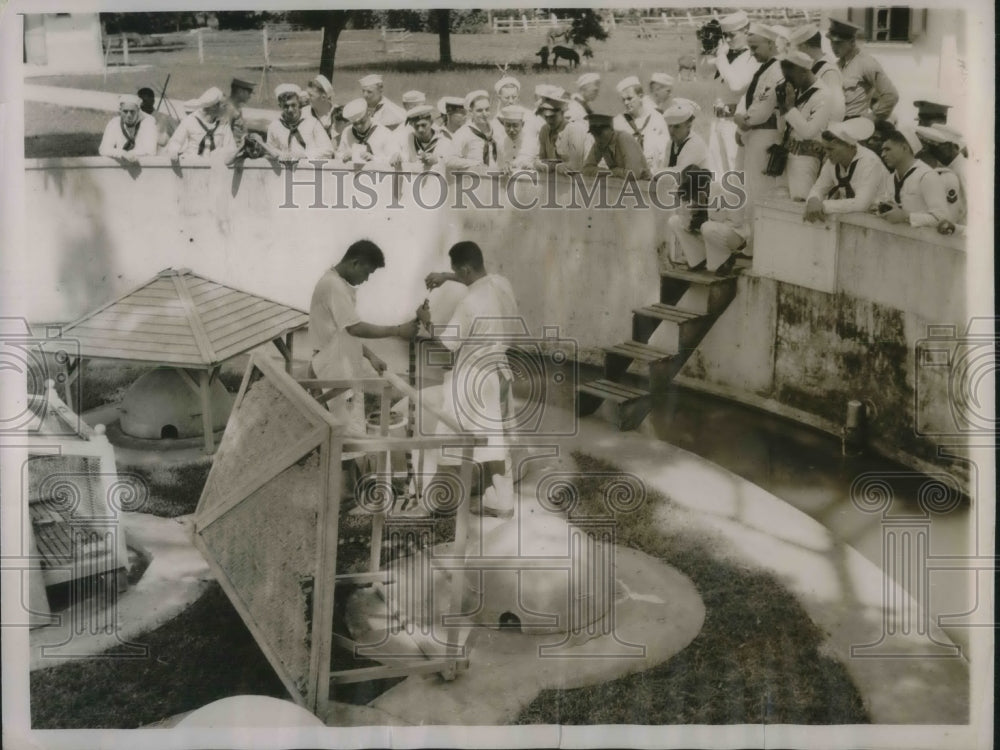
(818, 66)
(489, 145)
(730, 56)
(843, 180)
(362, 138)
(752, 89)
(129, 137)
(806, 95)
(675, 151)
(636, 131)
(209, 138)
(293, 132)
(422, 148)
(801, 99)
(899, 181)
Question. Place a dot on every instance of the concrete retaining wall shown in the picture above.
(828, 314)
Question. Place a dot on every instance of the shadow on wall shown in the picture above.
(86, 278)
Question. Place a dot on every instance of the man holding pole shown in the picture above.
(477, 389)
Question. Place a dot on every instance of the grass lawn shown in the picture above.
(295, 59)
(756, 660)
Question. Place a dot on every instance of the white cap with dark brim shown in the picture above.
(355, 109)
(852, 131)
(734, 22)
(627, 83)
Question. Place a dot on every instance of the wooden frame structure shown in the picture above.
(185, 321)
(74, 497)
(268, 525)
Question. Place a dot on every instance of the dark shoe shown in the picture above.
(727, 267)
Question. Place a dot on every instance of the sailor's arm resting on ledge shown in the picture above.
(868, 185)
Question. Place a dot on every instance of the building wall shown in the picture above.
(69, 42)
(828, 314)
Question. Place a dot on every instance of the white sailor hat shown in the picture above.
(763, 30)
(802, 34)
(781, 32)
(506, 81)
(910, 135)
(662, 78)
(212, 96)
(852, 130)
(371, 80)
(323, 84)
(129, 99)
(414, 97)
(678, 112)
(626, 83)
(549, 93)
(474, 96)
(286, 88)
(421, 110)
(797, 58)
(355, 109)
(455, 102)
(587, 78)
(695, 107)
(734, 22)
(512, 113)
(949, 134)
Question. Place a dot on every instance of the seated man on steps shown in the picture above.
(477, 389)
(710, 239)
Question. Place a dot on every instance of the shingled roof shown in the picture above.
(184, 320)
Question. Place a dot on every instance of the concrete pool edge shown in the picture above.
(841, 590)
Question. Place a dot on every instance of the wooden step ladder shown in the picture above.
(636, 371)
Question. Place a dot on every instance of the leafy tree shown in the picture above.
(148, 23)
(586, 25)
(239, 20)
(332, 22)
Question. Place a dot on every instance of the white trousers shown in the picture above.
(801, 172)
(758, 185)
(722, 146)
(714, 245)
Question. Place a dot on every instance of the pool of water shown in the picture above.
(806, 468)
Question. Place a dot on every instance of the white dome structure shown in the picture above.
(160, 404)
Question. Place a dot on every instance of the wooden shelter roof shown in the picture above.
(181, 319)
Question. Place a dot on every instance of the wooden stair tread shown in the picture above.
(639, 351)
(611, 391)
(667, 312)
(707, 278)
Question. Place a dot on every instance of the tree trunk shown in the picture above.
(333, 24)
(444, 35)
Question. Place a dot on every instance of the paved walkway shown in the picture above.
(108, 102)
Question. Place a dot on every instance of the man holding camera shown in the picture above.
(734, 69)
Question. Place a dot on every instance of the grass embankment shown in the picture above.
(756, 660)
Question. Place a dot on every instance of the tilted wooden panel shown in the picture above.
(266, 547)
(263, 423)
